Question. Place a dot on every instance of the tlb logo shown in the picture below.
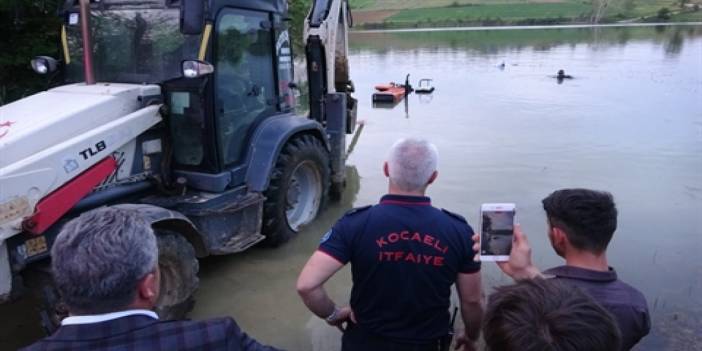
(92, 151)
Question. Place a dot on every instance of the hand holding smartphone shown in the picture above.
(496, 231)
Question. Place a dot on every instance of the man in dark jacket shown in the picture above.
(105, 266)
(581, 224)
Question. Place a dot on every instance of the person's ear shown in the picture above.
(433, 177)
(386, 170)
(149, 286)
(559, 237)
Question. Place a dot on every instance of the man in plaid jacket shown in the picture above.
(105, 265)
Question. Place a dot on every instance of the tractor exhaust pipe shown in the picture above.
(87, 42)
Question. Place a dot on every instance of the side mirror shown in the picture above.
(192, 16)
(196, 68)
(44, 64)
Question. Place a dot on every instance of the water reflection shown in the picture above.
(385, 105)
(425, 99)
(493, 42)
(257, 287)
(674, 45)
(392, 105)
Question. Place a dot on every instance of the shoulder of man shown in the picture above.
(357, 210)
(219, 332)
(354, 214)
(455, 216)
(350, 218)
(634, 296)
(240, 339)
(35, 346)
(460, 220)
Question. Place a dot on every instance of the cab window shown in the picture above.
(244, 78)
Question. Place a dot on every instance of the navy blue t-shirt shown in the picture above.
(405, 254)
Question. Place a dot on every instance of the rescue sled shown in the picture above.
(425, 87)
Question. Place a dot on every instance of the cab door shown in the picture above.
(244, 79)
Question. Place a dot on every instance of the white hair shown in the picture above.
(99, 258)
(411, 163)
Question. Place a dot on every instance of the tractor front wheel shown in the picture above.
(299, 186)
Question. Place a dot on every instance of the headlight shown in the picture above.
(44, 64)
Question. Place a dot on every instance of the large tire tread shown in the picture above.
(297, 150)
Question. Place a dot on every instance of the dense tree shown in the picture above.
(664, 13)
(599, 9)
(29, 28)
(297, 10)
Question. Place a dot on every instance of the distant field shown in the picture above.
(687, 17)
(363, 17)
(502, 11)
(416, 4)
(429, 13)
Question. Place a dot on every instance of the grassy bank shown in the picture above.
(493, 14)
(380, 14)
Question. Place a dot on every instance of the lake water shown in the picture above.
(630, 123)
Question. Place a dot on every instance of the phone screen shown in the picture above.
(496, 232)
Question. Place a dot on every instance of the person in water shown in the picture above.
(561, 75)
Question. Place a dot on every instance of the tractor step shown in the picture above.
(229, 222)
(241, 242)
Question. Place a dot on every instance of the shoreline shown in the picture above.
(555, 26)
(484, 13)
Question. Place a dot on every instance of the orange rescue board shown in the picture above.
(390, 93)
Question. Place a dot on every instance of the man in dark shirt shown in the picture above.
(581, 224)
(405, 254)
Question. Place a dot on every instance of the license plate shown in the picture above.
(36, 246)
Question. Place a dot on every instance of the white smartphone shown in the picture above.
(496, 231)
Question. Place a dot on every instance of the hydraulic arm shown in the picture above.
(326, 38)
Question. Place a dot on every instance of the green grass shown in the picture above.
(687, 17)
(507, 12)
(437, 13)
(639, 8)
(416, 4)
(361, 4)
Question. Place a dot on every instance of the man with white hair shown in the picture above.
(105, 265)
(405, 254)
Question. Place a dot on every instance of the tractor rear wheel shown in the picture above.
(178, 266)
(298, 188)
